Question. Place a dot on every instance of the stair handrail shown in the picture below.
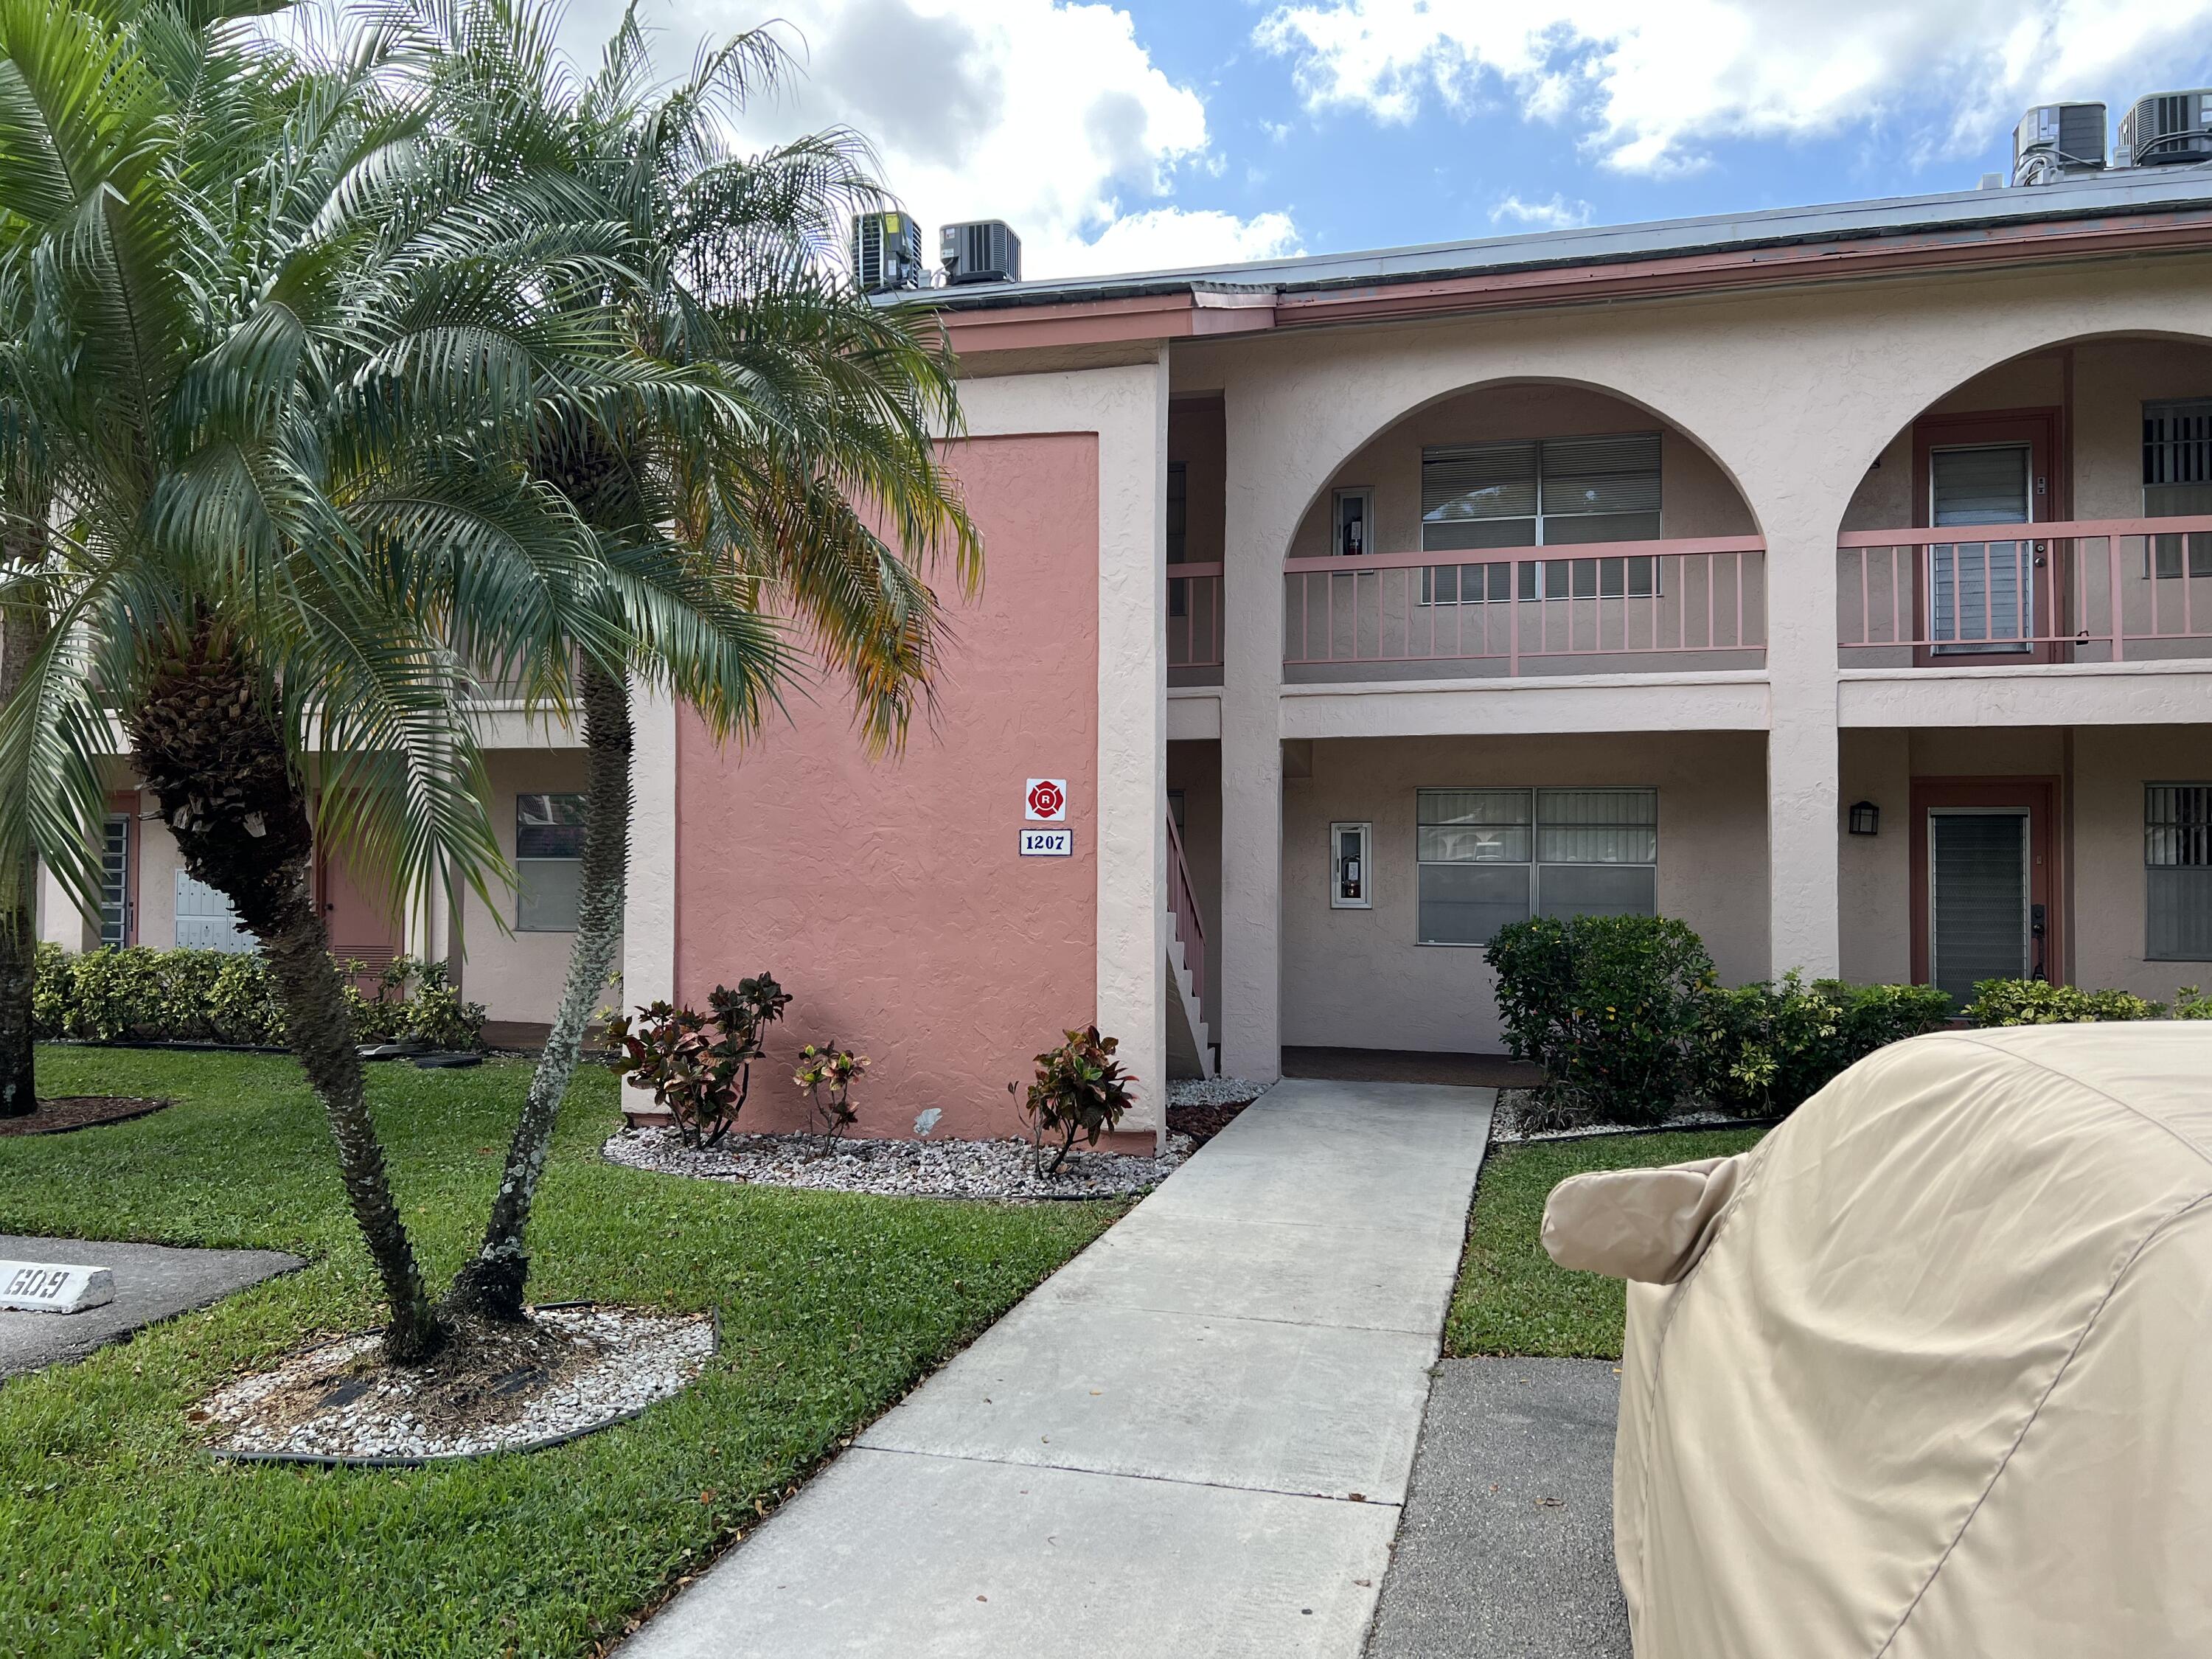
(1182, 906)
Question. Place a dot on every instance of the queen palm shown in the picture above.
(285, 443)
(779, 416)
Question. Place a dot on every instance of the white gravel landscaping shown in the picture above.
(585, 1368)
(903, 1168)
(1213, 1091)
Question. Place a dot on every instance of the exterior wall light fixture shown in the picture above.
(1866, 818)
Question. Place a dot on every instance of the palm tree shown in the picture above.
(284, 420)
(781, 414)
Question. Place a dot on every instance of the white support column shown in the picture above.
(648, 956)
(1250, 936)
(1802, 753)
(60, 923)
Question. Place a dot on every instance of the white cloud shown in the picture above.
(1657, 81)
(1557, 214)
(1160, 239)
(1049, 115)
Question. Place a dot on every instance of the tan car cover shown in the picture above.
(1933, 1378)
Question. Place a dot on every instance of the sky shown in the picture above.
(1164, 133)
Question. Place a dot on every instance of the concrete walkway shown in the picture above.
(1193, 1440)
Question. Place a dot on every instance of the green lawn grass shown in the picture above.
(1511, 1298)
(118, 1534)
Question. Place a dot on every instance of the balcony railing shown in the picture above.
(2105, 590)
(1603, 607)
(1194, 622)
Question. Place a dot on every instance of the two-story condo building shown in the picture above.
(1838, 579)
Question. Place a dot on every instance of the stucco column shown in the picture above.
(60, 921)
(1802, 756)
(1251, 933)
(648, 959)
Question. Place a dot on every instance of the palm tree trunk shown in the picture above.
(215, 757)
(492, 1283)
(24, 629)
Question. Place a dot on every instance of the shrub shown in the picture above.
(827, 1073)
(2034, 1002)
(221, 996)
(1079, 1089)
(699, 1067)
(437, 1015)
(2190, 1003)
(1611, 1007)
(1765, 1049)
(53, 992)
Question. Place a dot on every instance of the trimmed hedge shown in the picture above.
(1628, 1021)
(140, 994)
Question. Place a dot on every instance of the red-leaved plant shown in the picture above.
(699, 1067)
(1080, 1090)
(827, 1073)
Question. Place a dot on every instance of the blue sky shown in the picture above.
(1157, 133)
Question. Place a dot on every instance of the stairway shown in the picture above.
(1190, 1045)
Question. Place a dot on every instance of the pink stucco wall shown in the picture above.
(888, 896)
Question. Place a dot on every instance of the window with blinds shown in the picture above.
(1487, 857)
(549, 862)
(1540, 493)
(2177, 871)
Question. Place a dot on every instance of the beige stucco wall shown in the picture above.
(1794, 394)
(1696, 498)
(1356, 978)
(2112, 379)
(516, 975)
(1196, 439)
(2110, 770)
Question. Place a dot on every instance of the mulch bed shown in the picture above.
(1202, 1123)
(59, 1113)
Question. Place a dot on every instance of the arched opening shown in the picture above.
(2055, 509)
(1524, 529)
(2024, 610)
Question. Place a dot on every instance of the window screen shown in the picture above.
(1488, 857)
(2178, 872)
(549, 862)
(1542, 493)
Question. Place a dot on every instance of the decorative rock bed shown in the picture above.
(903, 1168)
(571, 1371)
(1516, 1106)
(1214, 1091)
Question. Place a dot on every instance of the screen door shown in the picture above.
(1977, 897)
(1981, 595)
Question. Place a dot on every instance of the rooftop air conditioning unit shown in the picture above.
(886, 252)
(2058, 141)
(983, 250)
(2168, 127)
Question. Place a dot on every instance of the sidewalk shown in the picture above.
(1194, 1440)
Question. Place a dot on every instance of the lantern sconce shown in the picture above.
(1866, 818)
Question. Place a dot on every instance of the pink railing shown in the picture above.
(1190, 926)
(1522, 610)
(2099, 590)
(1195, 616)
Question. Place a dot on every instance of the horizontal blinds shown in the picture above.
(1524, 481)
(1979, 872)
(1981, 591)
(1979, 486)
(1478, 481)
(1607, 475)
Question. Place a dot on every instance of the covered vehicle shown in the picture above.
(1928, 1373)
